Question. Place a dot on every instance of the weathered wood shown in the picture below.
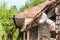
(58, 36)
(53, 34)
(51, 11)
(39, 35)
(24, 36)
(19, 21)
(28, 35)
(34, 33)
(43, 31)
(57, 10)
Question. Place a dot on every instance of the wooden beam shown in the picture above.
(39, 34)
(24, 36)
(51, 11)
(28, 36)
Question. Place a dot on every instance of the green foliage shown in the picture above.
(6, 16)
(6, 22)
(36, 2)
(27, 5)
(15, 35)
(31, 3)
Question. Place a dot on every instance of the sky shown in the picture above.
(17, 3)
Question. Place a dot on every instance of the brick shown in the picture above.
(59, 26)
(57, 21)
(45, 38)
(56, 26)
(57, 18)
(57, 31)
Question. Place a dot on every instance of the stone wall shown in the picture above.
(58, 27)
(57, 22)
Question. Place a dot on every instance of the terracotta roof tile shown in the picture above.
(31, 12)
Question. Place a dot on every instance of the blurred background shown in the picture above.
(7, 9)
